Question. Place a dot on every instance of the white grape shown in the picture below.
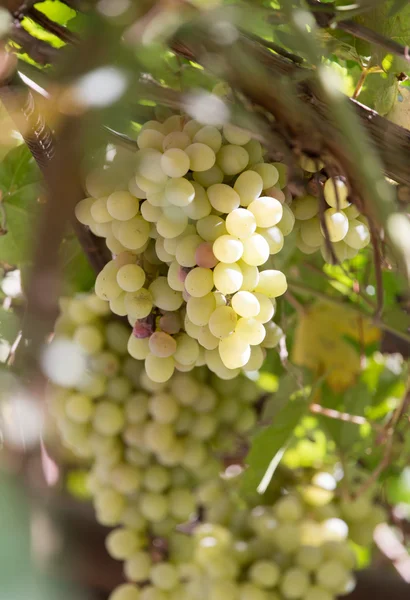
(175, 163)
(201, 157)
(241, 223)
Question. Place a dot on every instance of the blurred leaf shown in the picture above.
(18, 174)
(269, 441)
(78, 274)
(9, 325)
(56, 11)
(287, 387)
(398, 488)
(353, 401)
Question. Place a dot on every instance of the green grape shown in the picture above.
(199, 282)
(223, 198)
(250, 591)
(137, 568)
(295, 583)
(264, 573)
(180, 192)
(255, 250)
(108, 418)
(156, 478)
(79, 408)
(122, 543)
(227, 249)
(209, 177)
(287, 223)
(211, 227)
(305, 207)
(316, 592)
(222, 321)
(118, 388)
(267, 211)
(130, 277)
(336, 193)
(245, 304)
(271, 283)
(154, 507)
(311, 232)
(235, 135)
(122, 206)
(125, 478)
(175, 162)
(241, 222)
(209, 136)
(332, 575)
(249, 186)
(164, 407)
(269, 174)
(199, 310)
(232, 159)
(289, 508)
(309, 557)
(99, 212)
(201, 156)
(126, 591)
(337, 224)
(182, 503)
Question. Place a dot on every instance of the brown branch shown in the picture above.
(37, 49)
(328, 18)
(312, 128)
(41, 19)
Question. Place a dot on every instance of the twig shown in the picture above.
(41, 19)
(377, 271)
(335, 414)
(38, 50)
(275, 47)
(329, 18)
(298, 306)
(386, 437)
(360, 83)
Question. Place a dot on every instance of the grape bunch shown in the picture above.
(347, 229)
(147, 442)
(193, 232)
(297, 546)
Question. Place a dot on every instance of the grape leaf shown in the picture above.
(269, 441)
(9, 325)
(18, 183)
(77, 272)
(56, 11)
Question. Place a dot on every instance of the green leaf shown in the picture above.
(18, 182)
(353, 402)
(56, 11)
(9, 325)
(269, 441)
(77, 272)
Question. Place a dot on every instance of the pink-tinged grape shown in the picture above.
(162, 344)
(204, 256)
(170, 322)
